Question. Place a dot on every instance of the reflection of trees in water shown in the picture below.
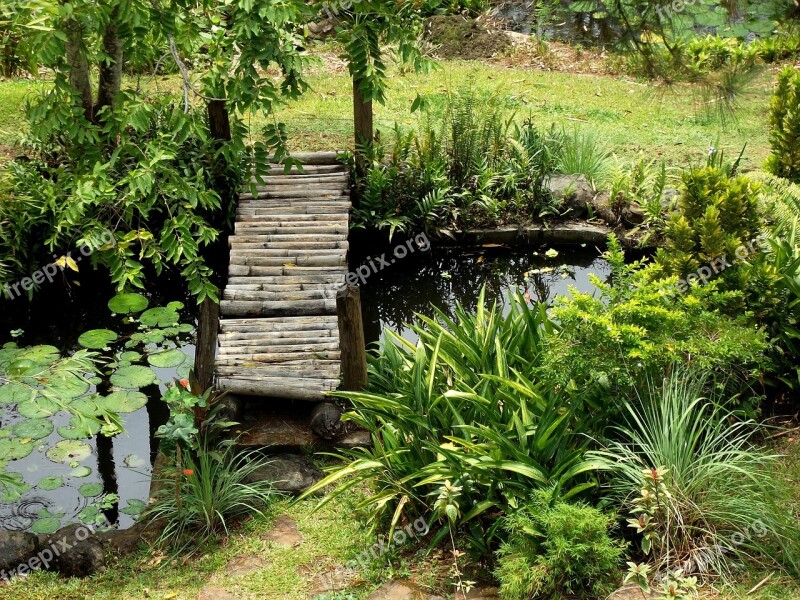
(446, 277)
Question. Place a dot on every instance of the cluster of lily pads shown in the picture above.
(91, 387)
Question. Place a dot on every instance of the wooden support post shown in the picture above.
(351, 338)
(207, 331)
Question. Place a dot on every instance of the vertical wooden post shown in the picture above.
(207, 330)
(351, 339)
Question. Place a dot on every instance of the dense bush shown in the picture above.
(610, 340)
(784, 125)
(460, 433)
(558, 550)
(717, 216)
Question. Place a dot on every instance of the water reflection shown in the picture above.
(444, 277)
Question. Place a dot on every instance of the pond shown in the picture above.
(445, 276)
(60, 492)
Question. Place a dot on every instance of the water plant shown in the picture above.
(94, 387)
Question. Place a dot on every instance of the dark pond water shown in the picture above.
(121, 465)
(443, 277)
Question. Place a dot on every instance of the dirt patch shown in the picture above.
(456, 36)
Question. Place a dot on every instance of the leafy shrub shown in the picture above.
(718, 499)
(610, 340)
(459, 432)
(464, 165)
(784, 126)
(717, 214)
(557, 550)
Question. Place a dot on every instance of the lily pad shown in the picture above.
(123, 401)
(15, 448)
(15, 489)
(162, 316)
(38, 408)
(52, 482)
(150, 337)
(80, 471)
(41, 355)
(130, 356)
(97, 339)
(132, 461)
(15, 393)
(167, 359)
(90, 490)
(67, 451)
(44, 525)
(33, 428)
(127, 304)
(133, 377)
(79, 429)
(135, 507)
(89, 514)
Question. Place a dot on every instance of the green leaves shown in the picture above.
(127, 304)
(133, 377)
(456, 425)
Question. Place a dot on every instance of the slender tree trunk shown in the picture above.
(79, 67)
(219, 125)
(110, 78)
(362, 116)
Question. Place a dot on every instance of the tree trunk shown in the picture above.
(110, 78)
(78, 66)
(362, 116)
(219, 125)
(219, 121)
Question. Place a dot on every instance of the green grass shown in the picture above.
(628, 116)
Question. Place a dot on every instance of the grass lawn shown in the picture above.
(631, 117)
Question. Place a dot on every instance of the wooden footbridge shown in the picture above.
(279, 327)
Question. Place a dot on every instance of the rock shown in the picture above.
(321, 29)
(398, 590)
(358, 438)
(79, 552)
(326, 420)
(631, 592)
(232, 408)
(243, 564)
(573, 193)
(290, 473)
(329, 580)
(284, 532)
(633, 214)
(211, 592)
(480, 593)
(601, 205)
(669, 199)
(16, 547)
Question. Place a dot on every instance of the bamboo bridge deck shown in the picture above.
(279, 335)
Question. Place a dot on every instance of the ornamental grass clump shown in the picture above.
(695, 485)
